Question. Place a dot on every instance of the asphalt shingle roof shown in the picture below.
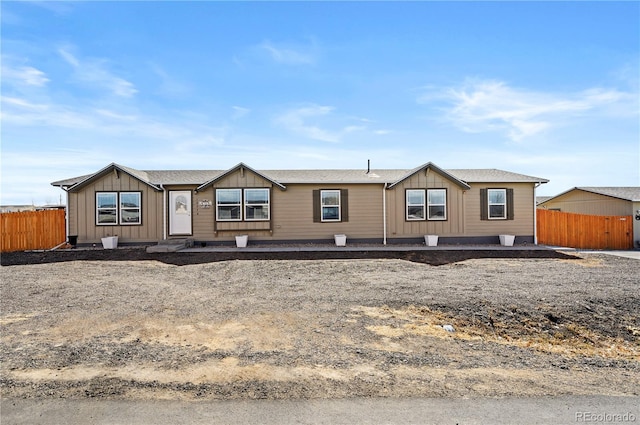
(197, 177)
(626, 193)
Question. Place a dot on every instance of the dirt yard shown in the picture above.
(131, 327)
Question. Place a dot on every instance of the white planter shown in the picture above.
(431, 240)
(507, 240)
(110, 242)
(241, 241)
(341, 240)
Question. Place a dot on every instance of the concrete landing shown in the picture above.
(170, 245)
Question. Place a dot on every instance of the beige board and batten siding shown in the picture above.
(523, 209)
(82, 220)
(582, 202)
(400, 227)
(208, 228)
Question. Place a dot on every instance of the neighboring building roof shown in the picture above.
(625, 193)
(541, 199)
(203, 178)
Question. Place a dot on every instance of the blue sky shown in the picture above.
(549, 89)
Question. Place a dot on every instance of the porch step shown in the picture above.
(171, 245)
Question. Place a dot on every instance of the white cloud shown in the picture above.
(95, 73)
(239, 112)
(296, 121)
(24, 75)
(290, 55)
(484, 106)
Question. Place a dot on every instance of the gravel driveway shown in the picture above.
(291, 329)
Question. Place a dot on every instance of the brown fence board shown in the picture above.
(28, 230)
(584, 231)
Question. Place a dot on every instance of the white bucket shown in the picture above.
(241, 241)
(341, 240)
(431, 240)
(110, 242)
(507, 240)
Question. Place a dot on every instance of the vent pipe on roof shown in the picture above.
(368, 166)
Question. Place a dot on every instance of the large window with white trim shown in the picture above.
(256, 204)
(228, 204)
(113, 208)
(415, 204)
(252, 204)
(437, 204)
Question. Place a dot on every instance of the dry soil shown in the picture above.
(131, 327)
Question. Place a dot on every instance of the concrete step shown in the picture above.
(171, 245)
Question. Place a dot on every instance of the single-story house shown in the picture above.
(609, 201)
(368, 205)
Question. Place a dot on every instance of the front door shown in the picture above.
(179, 212)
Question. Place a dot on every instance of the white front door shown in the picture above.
(179, 212)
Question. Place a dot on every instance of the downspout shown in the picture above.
(384, 214)
(66, 215)
(164, 212)
(535, 214)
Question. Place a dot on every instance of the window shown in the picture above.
(415, 204)
(497, 203)
(130, 208)
(113, 208)
(229, 204)
(106, 208)
(256, 204)
(330, 204)
(437, 204)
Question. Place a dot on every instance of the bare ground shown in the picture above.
(75, 327)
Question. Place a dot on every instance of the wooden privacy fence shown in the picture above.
(584, 231)
(26, 230)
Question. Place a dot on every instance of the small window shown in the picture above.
(130, 208)
(330, 205)
(229, 204)
(256, 204)
(415, 204)
(107, 208)
(437, 204)
(497, 204)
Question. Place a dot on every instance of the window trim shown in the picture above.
(504, 204)
(114, 209)
(423, 205)
(240, 205)
(428, 211)
(338, 205)
(121, 208)
(118, 208)
(268, 204)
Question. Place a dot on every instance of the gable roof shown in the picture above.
(625, 193)
(233, 170)
(431, 166)
(79, 182)
(280, 178)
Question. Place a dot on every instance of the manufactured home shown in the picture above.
(295, 206)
